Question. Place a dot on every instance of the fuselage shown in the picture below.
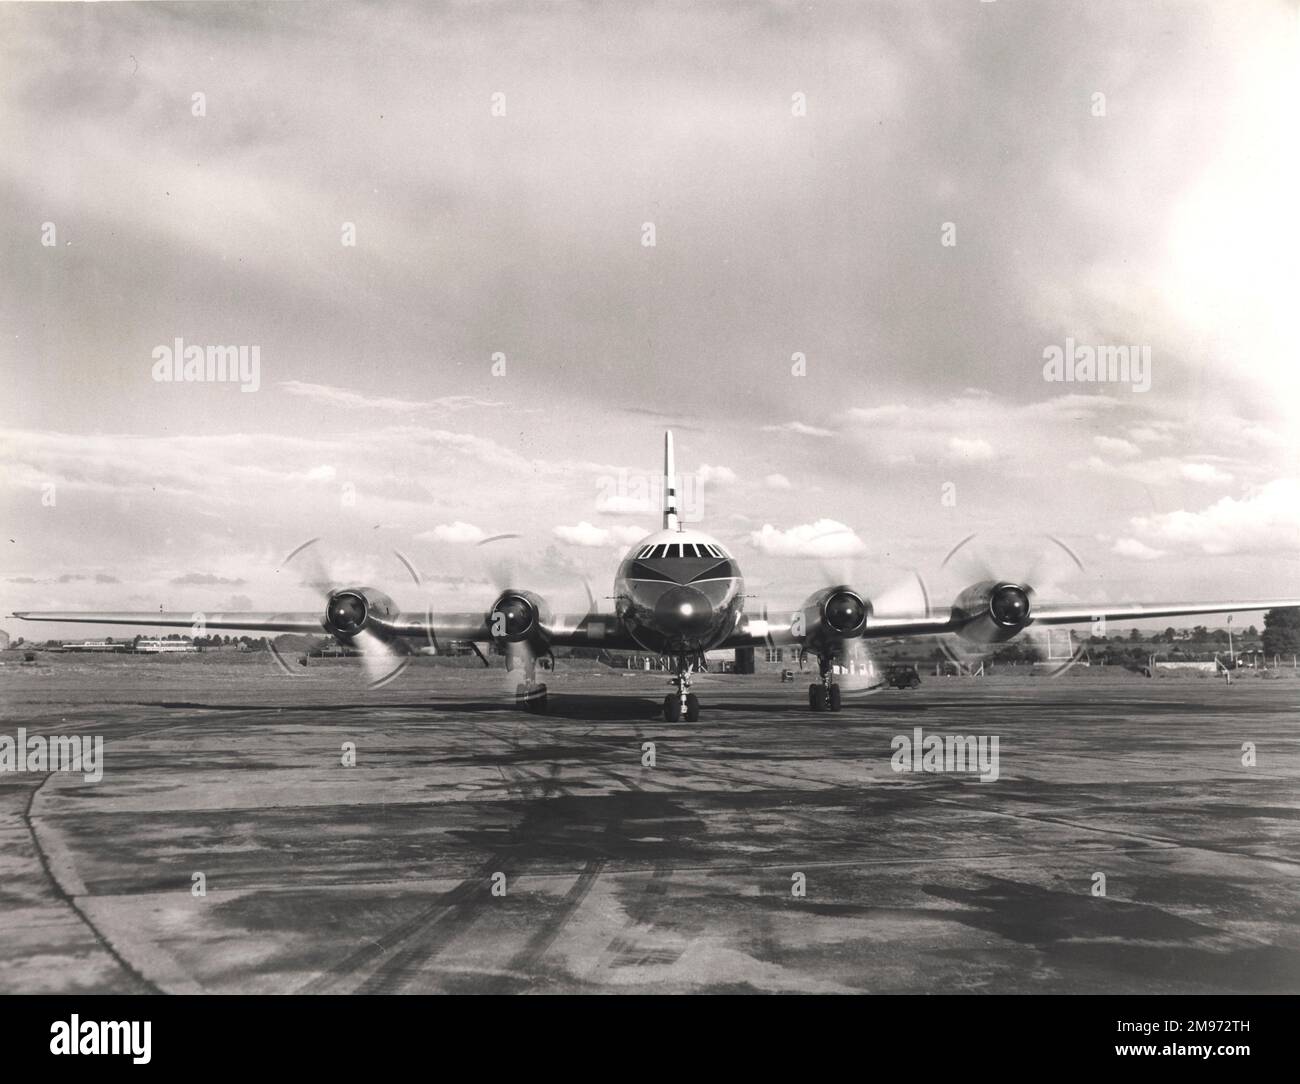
(679, 592)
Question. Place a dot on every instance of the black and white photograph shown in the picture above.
(650, 498)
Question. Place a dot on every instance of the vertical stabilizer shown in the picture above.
(672, 522)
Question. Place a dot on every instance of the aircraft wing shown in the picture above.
(246, 622)
(752, 631)
(562, 630)
(1073, 614)
(583, 630)
(591, 630)
(755, 631)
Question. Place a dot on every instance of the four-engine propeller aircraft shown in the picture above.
(678, 593)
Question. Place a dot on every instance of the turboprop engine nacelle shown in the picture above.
(518, 617)
(353, 610)
(833, 613)
(993, 611)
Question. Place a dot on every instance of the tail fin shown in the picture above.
(671, 520)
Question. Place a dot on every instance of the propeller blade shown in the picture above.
(904, 596)
(836, 570)
(519, 656)
(503, 572)
(968, 561)
(381, 660)
(500, 569)
(308, 563)
(861, 671)
(1057, 648)
(1054, 563)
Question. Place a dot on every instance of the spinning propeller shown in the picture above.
(357, 617)
(997, 607)
(519, 619)
(845, 609)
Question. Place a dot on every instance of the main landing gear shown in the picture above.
(682, 704)
(529, 695)
(824, 695)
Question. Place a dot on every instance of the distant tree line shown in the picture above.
(1282, 632)
(214, 641)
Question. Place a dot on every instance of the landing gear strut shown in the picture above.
(824, 695)
(682, 704)
(529, 695)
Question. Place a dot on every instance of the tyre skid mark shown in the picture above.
(419, 941)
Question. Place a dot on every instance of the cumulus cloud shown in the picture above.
(824, 538)
(586, 534)
(67, 577)
(800, 428)
(716, 475)
(1116, 445)
(1131, 547)
(1100, 432)
(343, 397)
(1163, 470)
(1265, 521)
(1205, 472)
(777, 481)
(207, 579)
(625, 504)
(458, 534)
(964, 448)
(1147, 434)
(884, 412)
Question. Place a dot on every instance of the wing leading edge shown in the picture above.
(605, 630)
(246, 622)
(1069, 615)
(759, 632)
(585, 630)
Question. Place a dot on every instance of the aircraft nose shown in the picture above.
(685, 610)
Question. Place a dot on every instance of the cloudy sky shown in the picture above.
(845, 386)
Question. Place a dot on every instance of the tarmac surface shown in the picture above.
(618, 876)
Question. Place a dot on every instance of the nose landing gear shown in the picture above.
(678, 707)
(824, 695)
(682, 704)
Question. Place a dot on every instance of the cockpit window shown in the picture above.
(682, 549)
